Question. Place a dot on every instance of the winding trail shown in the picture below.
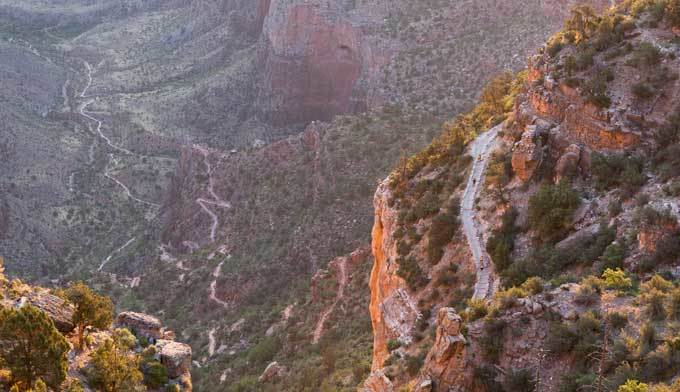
(82, 110)
(216, 200)
(343, 278)
(213, 286)
(108, 258)
(480, 150)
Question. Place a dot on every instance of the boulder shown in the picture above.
(142, 325)
(60, 311)
(568, 164)
(175, 356)
(272, 372)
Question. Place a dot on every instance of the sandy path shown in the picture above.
(480, 150)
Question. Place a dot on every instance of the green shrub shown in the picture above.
(612, 258)
(410, 271)
(519, 380)
(155, 374)
(413, 364)
(502, 241)
(393, 344)
(551, 210)
(477, 309)
(561, 338)
(618, 170)
(576, 382)
(617, 320)
(442, 230)
(646, 54)
(493, 339)
(643, 90)
(265, 350)
(616, 279)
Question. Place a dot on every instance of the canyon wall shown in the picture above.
(313, 57)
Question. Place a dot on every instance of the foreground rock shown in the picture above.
(142, 325)
(175, 356)
(58, 309)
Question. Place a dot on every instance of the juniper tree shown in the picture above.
(91, 309)
(32, 347)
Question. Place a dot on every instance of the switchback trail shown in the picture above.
(216, 200)
(100, 134)
(480, 150)
(343, 278)
(213, 286)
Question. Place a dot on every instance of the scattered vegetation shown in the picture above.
(551, 210)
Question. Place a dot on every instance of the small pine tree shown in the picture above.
(91, 309)
(32, 347)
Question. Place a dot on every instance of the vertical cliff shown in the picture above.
(393, 310)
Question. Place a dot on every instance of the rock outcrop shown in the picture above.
(175, 356)
(141, 324)
(313, 57)
(60, 311)
(446, 359)
(393, 310)
(527, 154)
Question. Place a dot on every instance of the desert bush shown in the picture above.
(586, 295)
(561, 338)
(477, 309)
(502, 241)
(533, 285)
(551, 210)
(646, 54)
(264, 351)
(506, 299)
(442, 230)
(633, 386)
(493, 339)
(410, 271)
(617, 320)
(616, 279)
(643, 90)
(618, 170)
(519, 380)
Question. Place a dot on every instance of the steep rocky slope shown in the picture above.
(140, 87)
(579, 215)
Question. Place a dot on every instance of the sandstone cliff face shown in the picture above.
(393, 310)
(581, 122)
(313, 56)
